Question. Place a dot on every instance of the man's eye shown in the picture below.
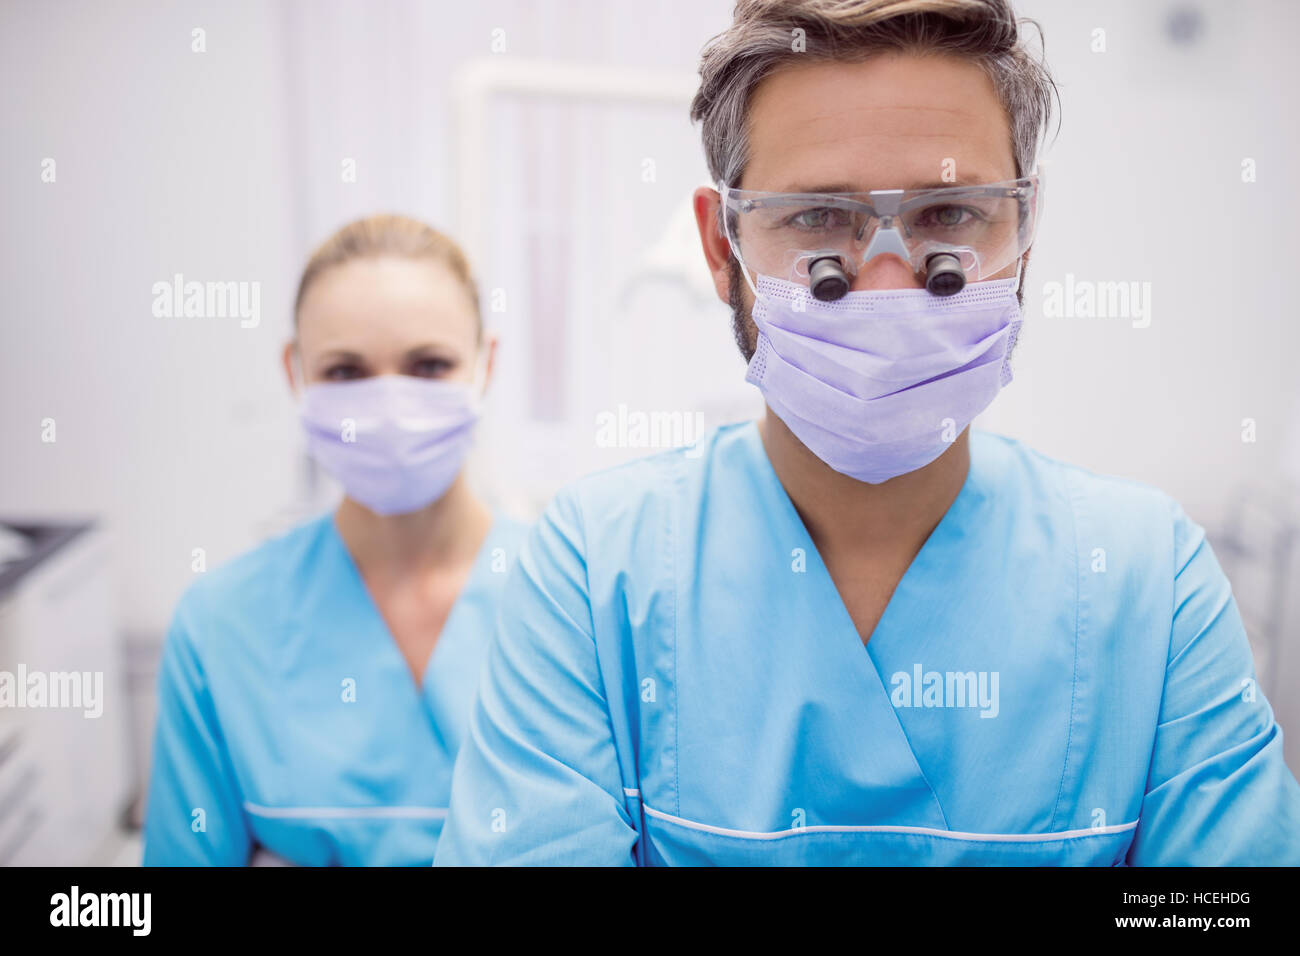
(947, 216)
(820, 218)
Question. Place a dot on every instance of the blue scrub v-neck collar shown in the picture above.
(449, 630)
(952, 527)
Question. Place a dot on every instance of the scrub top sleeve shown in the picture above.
(1218, 792)
(194, 815)
(537, 779)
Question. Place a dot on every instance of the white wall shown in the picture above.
(166, 161)
(1145, 185)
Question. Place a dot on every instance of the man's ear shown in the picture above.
(717, 251)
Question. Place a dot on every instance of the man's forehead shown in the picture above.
(892, 122)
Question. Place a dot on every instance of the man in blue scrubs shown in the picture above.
(855, 632)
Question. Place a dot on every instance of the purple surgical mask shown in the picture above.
(394, 442)
(879, 383)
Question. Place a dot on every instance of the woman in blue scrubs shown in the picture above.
(314, 692)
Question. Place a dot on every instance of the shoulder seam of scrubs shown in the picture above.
(420, 813)
(1176, 571)
(926, 831)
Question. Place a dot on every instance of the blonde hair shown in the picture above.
(388, 234)
(762, 38)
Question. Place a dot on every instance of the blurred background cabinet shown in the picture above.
(65, 777)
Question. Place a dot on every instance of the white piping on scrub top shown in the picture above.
(925, 831)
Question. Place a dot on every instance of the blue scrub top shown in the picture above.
(1060, 677)
(288, 717)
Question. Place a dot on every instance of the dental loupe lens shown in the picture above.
(944, 274)
(826, 279)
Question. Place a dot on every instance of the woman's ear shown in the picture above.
(489, 343)
(286, 356)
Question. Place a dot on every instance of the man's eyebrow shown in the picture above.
(821, 188)
(956, 183)
(847, 188)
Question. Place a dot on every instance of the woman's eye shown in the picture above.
(432, 368)
(343, 373)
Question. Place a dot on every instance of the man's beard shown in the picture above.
(746, 333)
(742, 326)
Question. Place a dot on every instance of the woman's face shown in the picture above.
(386, 316)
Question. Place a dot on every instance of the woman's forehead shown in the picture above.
(386, 303)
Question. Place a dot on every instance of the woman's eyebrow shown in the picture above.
(334, 355)
(431, 348)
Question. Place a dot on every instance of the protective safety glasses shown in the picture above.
(949, 235)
